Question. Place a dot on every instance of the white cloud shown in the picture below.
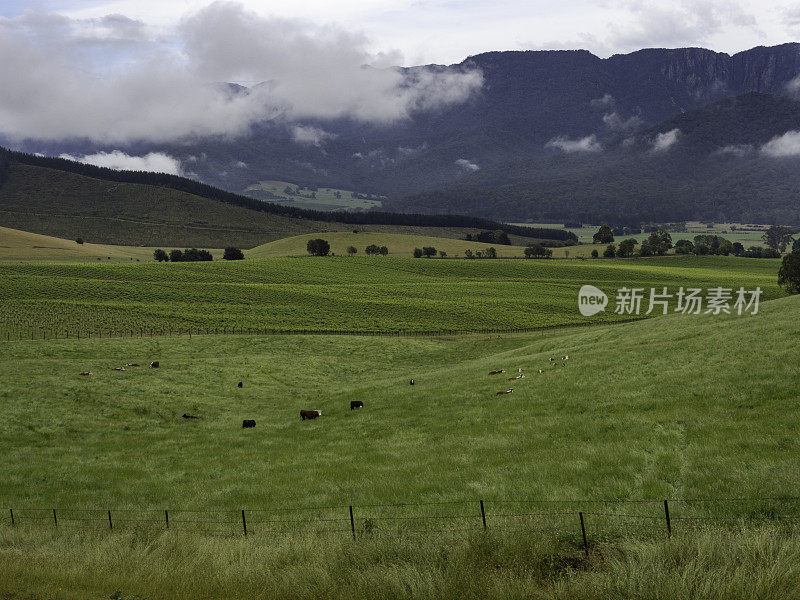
(617, 123)
(665, 141)
(155, 161)
(605, 100)
(787, 144)
(55, 82)
(587, 144)
(306, 134)
(736, 150)
(466, 165)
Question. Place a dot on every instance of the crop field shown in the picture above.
(700, 410)
(337, 294)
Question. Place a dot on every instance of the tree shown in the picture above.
(318, 247)
(160, 255)
(428, 251)
(352, 250)
(737, 249)
(789, 273)
(659, 242)
(383, 251)
(467, 253)
(595, 253)
(491, 252)
(79, 240)
(684, 247)
(417, 253)
(537, 251)
(604, 235)
(175, 256)
(626, 248)
(796, 245)
(777, 237)
(610, 251)
(442, 254)
(232, 253)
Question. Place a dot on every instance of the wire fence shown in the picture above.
(581, 520)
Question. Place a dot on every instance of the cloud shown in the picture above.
(739, 150)
(617, 123)
(605, 100)
(466, 165)
(305, 134)
(665, 141)
(155, 161)
(55, 82)
(587, 144)
(787, 144)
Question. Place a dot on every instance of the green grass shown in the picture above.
(325, 197)
(343, 294)
(676, 407)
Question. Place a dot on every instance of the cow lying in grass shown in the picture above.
(356, 404)
(131, 365)
(497, 372)
(119, 368)
(520, 376)
(508, 391)
(86, 373)
(310, 414)
(248, 423)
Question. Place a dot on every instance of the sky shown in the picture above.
(447, 31)
(117, 71)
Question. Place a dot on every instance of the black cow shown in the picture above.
(356, 404)
(240, 384)
(411, 382)
(248, 423)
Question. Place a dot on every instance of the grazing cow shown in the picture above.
(540, 371)
(508, 391)
(497, 372)
(356, 404)
(154, 364)
(565, 357)
(239, 384)
(520, 376)
(187, 416)
(248, 423)
(86, 373)
(310, 414)
(551, 359)
(119, 368)
(411, 382)
(131, 365)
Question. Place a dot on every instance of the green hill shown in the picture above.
(686, 408)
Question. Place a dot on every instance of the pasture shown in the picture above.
(678, 407)
(378, 294)
(324, 198)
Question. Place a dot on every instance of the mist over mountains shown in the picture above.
(546, 135)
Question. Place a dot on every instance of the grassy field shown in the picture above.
(325, 198)
(18, 245)
(693, 228)
(343, 294)
(678, 407)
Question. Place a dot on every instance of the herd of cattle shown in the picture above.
(354, 404)
(520, 375)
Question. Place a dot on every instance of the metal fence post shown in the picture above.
(352, 523)
(110, 524)
(166, 517)
(583, 532)
(55, 519)
(666, 514)
(12, 516)
(244, 523)
(483, 515)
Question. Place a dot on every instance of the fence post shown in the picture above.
(583, 532)
(352, 523)
(666, 514)
(483, 515)
(166, 516)
(110, 524)
(244, 523)
(12, 516)
(55, 520)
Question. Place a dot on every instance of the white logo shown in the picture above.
(591, 300)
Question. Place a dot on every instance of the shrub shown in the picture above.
(428, 251)
(160, 255)
(417, 253)
(352, 250)
(384, 251)
(538, 251)
(175, 256)
(610, 251)
(233, 253)
(595, 253)
(79, 240)
(789, 273)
